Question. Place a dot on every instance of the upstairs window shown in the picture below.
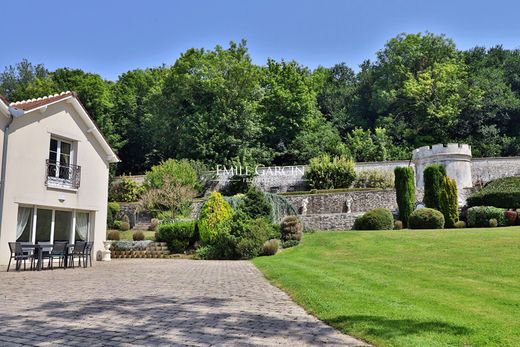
(61, 173)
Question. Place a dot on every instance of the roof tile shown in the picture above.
(34, 103)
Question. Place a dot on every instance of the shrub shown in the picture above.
(117, 224)
(493, 223)
(177, 236)
(460, 224)
(449, 201)
(180, 171)
(237, 184)
(405, 192)
(251, 239)
(325, 172)
(291, 228)
(154, 223)
(126, 190)
(113, 209)
(503, 192)
(255, 204)
(479, 216)
(426, 218)
(138, 235)
(290, 243)
(124, 226)
(113, 235)
(398, 225)
(125, 219)
(511, 217)
(215, 218)
(271, 247)
(433, 178)
(376, 219)
(381, 179)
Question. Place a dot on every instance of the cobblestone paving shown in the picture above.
(155, 303)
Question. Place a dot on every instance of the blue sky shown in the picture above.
(110, 37)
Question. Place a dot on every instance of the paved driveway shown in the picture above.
(154, 302)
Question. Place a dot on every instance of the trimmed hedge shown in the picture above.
(479, 216)
(325, 172)
(433, 177)
(376, 219)
(177, 235)
(405, 192)
(449, 202)
(503, 192)
(426, 218)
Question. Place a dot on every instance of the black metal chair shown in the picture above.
(59, 251)
(18, 254)
(88, 253)
(79, 252)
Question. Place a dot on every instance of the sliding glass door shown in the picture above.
(48, 225)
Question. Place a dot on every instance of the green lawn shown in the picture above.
(408, 288)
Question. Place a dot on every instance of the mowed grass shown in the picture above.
(408, 288)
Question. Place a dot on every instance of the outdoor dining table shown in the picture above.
(38, 252)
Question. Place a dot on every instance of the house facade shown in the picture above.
(54, 173)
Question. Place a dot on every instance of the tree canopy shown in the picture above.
(218, 107)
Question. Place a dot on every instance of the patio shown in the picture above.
(155, 302)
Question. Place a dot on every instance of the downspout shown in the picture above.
(13, 112)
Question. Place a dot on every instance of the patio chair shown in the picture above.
(59, 251)
(79, 252)
(46, 248)
(88, 253)
(18, 255)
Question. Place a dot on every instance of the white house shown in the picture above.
(54, 173)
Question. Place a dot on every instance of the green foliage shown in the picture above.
(270, 247)
(290, 243)
(503, 192)
(380, 179)
(291, 228)
(449, 202)
(113, 235)
(405, 192)
(256, 205)
(127, 190)
(215, 218)
(177, 235)
(479, 216)
(325, 172)
(113, 209)
(180, 171)
(376, 219)
(460, 224)
(138, 235)
(237, 184)
(433, 178)
(398, 225)
(511, 217)
(426, 218)
(123, 226)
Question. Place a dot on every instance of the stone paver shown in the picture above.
(155, 302)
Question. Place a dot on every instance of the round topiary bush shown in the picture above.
(138, 235)
(426, 218)
(511, 217)
(271, 247)
(376, 219)
(124, 226)
(493, 223)
(291, 228)
(113, 235)
(215, 218)
(460, 224)
(398, 225)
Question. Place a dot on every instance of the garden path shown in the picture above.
(156, 302)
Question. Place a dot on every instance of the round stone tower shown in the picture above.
(455, 157)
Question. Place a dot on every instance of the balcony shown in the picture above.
(62, 176)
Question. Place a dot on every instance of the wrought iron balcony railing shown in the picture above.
(62, 176)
